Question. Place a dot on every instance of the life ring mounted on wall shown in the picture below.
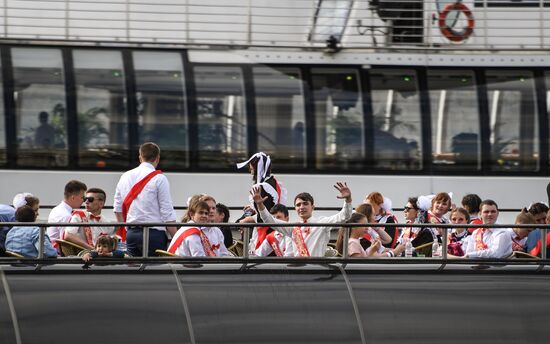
(448, 31)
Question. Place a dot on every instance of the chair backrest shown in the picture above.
(332, 252)
(68, 248)
(163, 253)
(14, 254)
(237, 248)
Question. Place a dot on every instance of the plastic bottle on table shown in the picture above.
(409, 249)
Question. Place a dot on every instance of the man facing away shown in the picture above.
(143, 196)
(87, 236)
(73, 198)
(489, 242)
(308, 241)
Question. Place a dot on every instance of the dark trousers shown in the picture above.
(134, 241)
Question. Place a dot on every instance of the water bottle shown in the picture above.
(409, 249)
(435, 249)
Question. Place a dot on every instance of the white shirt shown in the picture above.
(192, 245)
(153, 204)
(96, 231)
(265, 249)
(60, 214)
(315, 238)
(498, 241)
(513, 236)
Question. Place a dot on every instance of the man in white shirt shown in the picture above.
(73, 198)
(308, 241)
(143, 196)
(87, 236)
(489, 242)
(275, 242)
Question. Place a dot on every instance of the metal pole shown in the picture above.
(41, 237)
(145, 248)
(345, 243)
(543, 242)
(249, 33)
(444, 243)
(246, 239)
(66, 19)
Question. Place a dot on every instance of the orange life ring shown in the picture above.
(453, 35)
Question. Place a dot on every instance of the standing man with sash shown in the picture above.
(489, 242)
(143, 195)
(307, 241)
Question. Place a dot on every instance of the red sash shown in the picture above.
(87, 230)
(131, 196)
(367, 236)
(477, 221)
(300, 242)
(207, 247)
(535, 251)
(480, 245)
(262, 233)
(274, 243)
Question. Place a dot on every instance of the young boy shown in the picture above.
(105, 247)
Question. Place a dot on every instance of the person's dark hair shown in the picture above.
(32, 201)
(74, 187)
(98, 191)
(306, 196)
(472, 203)
(365, 209)
(149, 151)
(279, 208)
(223, 209)
(488, 202)
(355, 218)
(25, 214)
(537, 208)
(254, 164)
(413, 201)
(463, 212)
(107, 241)
(43, 116)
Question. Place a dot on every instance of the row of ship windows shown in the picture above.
(90, 108)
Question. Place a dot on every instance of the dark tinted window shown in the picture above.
(161, 108)
(41, 120)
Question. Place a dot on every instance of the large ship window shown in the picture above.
(513, 120)
(39, 94)
(454, 120)
(396, 114)
(101, 109)
(280, 115)
(338, 119)
(3, 141)
(547, 82)
(161, 105)
(221, 116)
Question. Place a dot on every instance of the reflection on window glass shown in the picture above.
(280, 115)
(338, 119)
(397, 125)
(39, 92)
(221, 115)
(101, 106)
(513, 120)
(455, 119)
(161, 105)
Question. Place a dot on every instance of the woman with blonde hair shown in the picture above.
(382, 214)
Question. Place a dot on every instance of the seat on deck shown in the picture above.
(68, 248)
(522, 255)
(163, 253)
(236, 248)
(13, 254)
(332, 252)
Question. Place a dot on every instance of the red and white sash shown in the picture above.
(207, 247)
(131, 196)
(480, 245)
(87, 229)
(300, 242)
(274, 243)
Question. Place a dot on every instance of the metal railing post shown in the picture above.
(41, 238)
(145, 248)
(249, 27)
(543, 242)
(345, 243)
(246, 240)
(444, 243)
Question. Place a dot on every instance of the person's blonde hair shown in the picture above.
(355, 218)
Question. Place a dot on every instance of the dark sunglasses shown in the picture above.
(89, 199)
(407, 208)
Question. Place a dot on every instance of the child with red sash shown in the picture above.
(192, 241)
(275, 243)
